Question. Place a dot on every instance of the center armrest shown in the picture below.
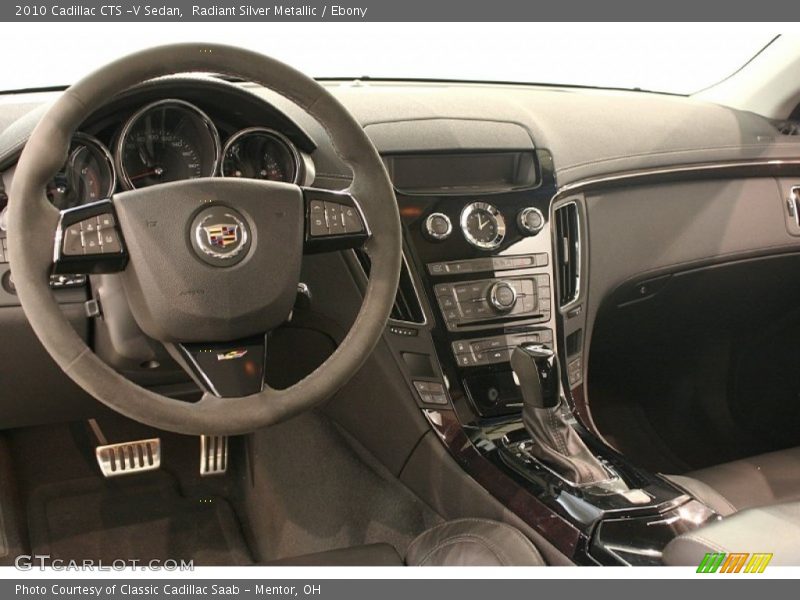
(767, 530)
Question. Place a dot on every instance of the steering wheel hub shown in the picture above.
(220, 235)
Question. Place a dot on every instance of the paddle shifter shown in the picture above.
(555, 442)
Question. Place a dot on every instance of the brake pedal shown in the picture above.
(126, 458)
(213, 454)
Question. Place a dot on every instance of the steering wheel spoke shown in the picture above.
(89, 240)
(228, 369)
(334, 221)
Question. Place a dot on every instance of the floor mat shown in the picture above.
(140, 517)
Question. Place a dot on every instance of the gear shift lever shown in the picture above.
(556, 443)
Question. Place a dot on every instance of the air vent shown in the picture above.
(407, 307)
(788, 127)
(568, 253)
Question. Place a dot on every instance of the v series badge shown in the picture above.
(232, 355)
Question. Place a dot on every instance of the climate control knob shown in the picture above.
(530, 220)
(438, 227)
(502, 296)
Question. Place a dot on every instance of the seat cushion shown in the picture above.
(472, 542)
(762, 480)
(371, 555)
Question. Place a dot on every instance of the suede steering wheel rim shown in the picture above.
(32, 244)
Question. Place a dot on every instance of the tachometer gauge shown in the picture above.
(168, 140)
(87, 176)
(483, 225)
(261, 153)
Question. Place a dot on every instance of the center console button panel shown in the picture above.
(496, 349)
(470, 302)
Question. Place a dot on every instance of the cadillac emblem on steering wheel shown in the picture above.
(220, 236)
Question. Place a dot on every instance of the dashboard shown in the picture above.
(482, 176)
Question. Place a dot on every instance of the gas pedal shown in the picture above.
(213, 454)
(129, 458)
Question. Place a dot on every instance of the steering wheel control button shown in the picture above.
(530, 220)
(109, 241)
(437, 227)
(335, 221)
(503, 296)
(319, 225)
(352, 222)
(73, 240)
(335, 216)
(220, 236)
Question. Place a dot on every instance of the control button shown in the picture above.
(73, 240)
(442, 289)
(317, 217)
(109, 241)
(465, 360)
(89, 225)
(503, 296)
(501, 262)
(433, 387)
(91, 239)
(489, 344)
(493, 356)
(335, 218)
(460, 347)
(437, 227)
(447, 302)
(437, 268)
(542, 259)
(105, 221)
(437, 398)
(530, 220)
(352, 220)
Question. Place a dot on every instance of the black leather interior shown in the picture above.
(772, 530)
(373, 555)
(472, 542)
(762, 480)
(458, 543)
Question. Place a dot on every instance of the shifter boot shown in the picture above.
(556, 443)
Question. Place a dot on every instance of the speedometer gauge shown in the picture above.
(87, 176)
(168, 140)
(261, 153)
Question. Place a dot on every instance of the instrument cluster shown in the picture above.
(169, 140)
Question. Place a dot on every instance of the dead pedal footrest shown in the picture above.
(213, 454)
(128, 458)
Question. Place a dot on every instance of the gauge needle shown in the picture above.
(154, 171)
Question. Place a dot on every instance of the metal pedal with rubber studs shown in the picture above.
(129, 458)
(213, 454)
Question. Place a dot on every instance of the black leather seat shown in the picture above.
(762, 480)
(462, 542)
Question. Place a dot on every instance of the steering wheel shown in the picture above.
(209, 266)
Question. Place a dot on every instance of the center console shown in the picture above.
(485, 260)
(486, 275)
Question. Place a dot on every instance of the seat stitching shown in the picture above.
(711, 544)
(513, 530)
(468, 537)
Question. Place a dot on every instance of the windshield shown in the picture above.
(681, 59)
